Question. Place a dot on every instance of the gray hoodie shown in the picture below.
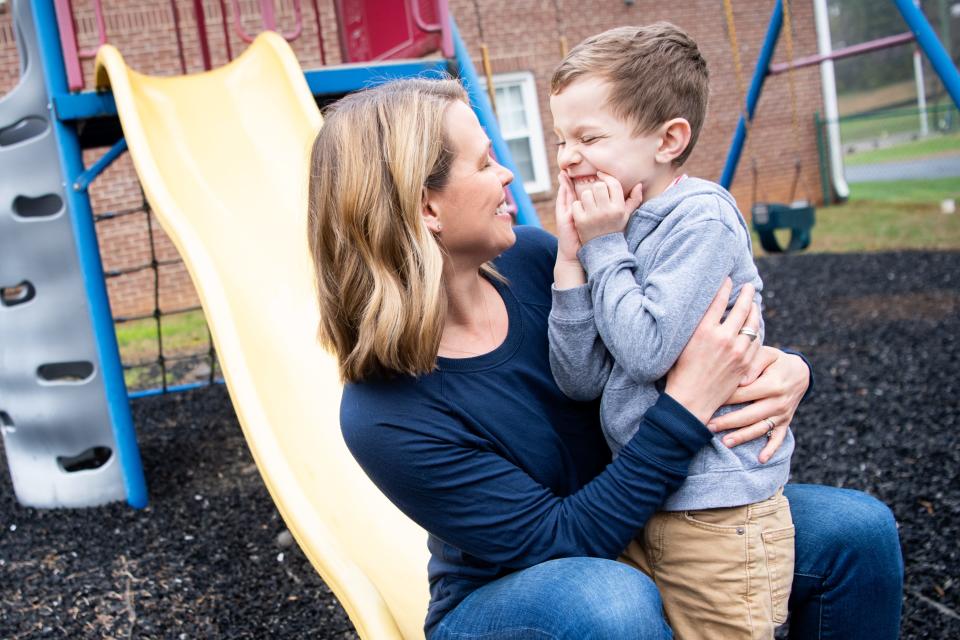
(646, 291)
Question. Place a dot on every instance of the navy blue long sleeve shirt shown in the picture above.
(497, 464)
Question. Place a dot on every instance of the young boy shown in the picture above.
(628, 105)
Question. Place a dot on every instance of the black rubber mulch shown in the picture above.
(204, 561)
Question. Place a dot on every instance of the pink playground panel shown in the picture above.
(368, 29)
(387, 29)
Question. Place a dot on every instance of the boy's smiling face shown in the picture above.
(591, 138)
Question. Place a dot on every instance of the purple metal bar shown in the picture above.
(101, 32)
(176, 29)
(297, 25)
(202, 34)
(446, 37)
(68, 43)
(846, 52)
(418, 19)
(267, 15)
(268, 20)
(226, 29)
(316, 15)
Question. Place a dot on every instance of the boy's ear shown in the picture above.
(428, 212)
(674, 138)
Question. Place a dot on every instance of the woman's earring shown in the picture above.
(439, 227)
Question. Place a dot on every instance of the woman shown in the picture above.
(436, 307)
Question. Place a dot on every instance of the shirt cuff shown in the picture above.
(809, 366)
(603, 251)
(676, 434)
(571, 305)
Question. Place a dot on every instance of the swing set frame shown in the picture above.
(924, 34)
(799, 216)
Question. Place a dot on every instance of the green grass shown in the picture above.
(934, 145)
(183, 333)
(875, 128)
(919, 194)
(904, 120)
(860, 101)
(887, 216)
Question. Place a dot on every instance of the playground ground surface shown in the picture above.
(206, 559)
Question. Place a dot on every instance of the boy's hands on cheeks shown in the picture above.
(568, 240)
(568, 271)
(602, 208)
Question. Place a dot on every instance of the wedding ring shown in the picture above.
(772, 425)
(750, 333)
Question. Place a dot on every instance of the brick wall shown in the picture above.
(522, 35)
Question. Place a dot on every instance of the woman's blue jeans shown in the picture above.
(847, 584)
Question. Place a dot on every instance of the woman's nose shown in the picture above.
(506, 176)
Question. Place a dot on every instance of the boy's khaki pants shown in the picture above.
(723, 574)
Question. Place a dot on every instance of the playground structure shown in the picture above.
(260, 311)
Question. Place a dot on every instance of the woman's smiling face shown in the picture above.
(471, 208)
(591, 138)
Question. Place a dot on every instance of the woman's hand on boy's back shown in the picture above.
(717, 356)
(602, 208)
(773, 388)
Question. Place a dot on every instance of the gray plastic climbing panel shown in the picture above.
(53, 410)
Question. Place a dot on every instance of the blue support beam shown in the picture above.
(331, 81)
(753, 95)
(526, 213)
(147, 393)
(84, 106)
(927, 39)
(351, 77)
(87, 177)
(81, 216)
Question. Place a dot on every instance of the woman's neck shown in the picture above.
(476, 321)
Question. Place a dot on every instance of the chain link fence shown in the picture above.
(895, 143)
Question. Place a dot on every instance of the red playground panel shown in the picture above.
(389, 29)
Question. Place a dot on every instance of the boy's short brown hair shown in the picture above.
(656, 73)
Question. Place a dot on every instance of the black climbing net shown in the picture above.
(167, 371)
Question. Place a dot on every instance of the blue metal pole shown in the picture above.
(84, 180)
(927, 39)
(174, 389)
(81, 215)
(526, 214)
(753, 96)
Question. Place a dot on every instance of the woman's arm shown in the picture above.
(457, 486)
(692, 380)
(775, 385)
(466, 493)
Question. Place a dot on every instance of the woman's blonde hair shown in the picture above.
(378, 267)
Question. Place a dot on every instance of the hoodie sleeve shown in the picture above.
(579, 361)
(645, 325)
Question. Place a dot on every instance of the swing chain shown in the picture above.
(741, 89)
(485, 61)
(794, 109)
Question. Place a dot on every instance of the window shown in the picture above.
(519, 114)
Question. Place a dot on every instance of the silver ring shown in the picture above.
(772, 425)
(750, 333)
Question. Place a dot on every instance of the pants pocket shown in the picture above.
(778, 546)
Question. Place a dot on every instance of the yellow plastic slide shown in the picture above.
(223, 159)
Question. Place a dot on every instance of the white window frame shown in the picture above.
(531, 107)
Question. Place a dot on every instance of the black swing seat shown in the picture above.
(797, 216)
